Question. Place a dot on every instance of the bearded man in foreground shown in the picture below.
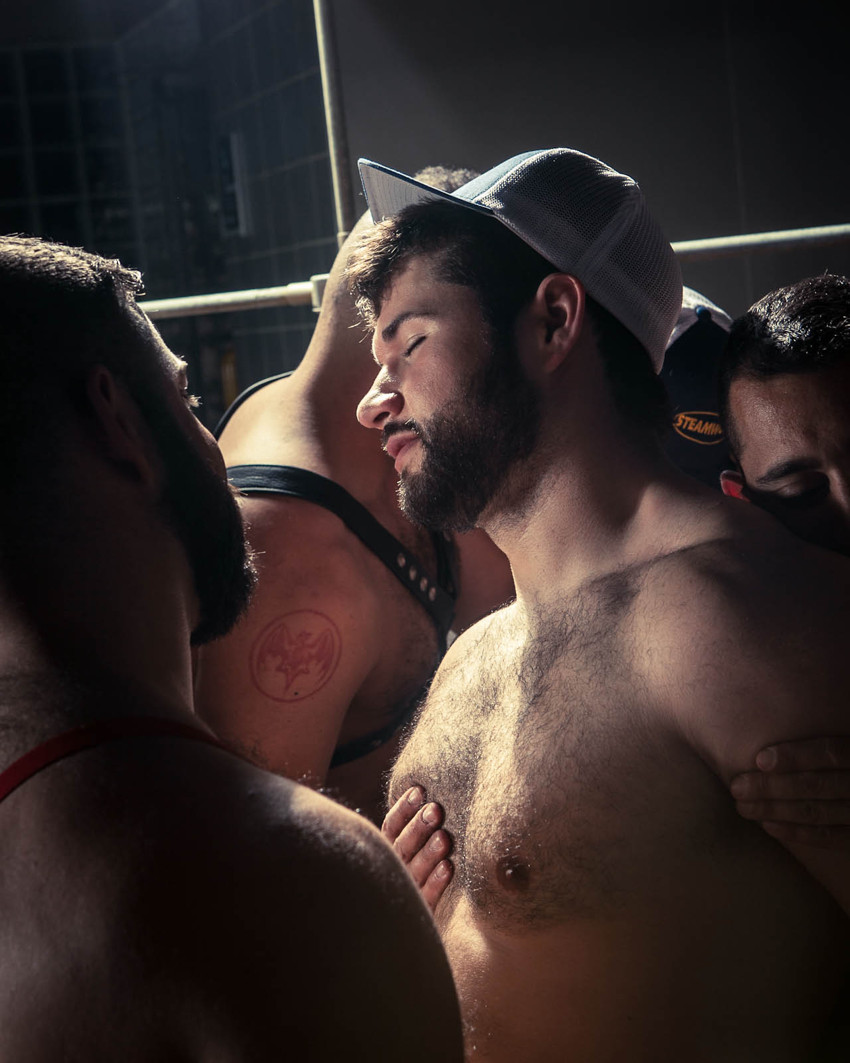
(608, 903)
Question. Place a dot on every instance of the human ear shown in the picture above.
(732, 484)
(561, 302)
(120, 429)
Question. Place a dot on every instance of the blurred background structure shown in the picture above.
(189, 137)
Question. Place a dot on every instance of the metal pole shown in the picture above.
(304, 293)
(299, 293)
(712, 247)
(334, 119)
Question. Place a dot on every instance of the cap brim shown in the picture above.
(688, 317)
(388, 191)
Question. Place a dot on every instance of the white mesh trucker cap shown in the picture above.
(580, 215)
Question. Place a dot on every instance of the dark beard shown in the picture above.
(470, 447)
(203, 511)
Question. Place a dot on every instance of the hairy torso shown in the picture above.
(607, 902)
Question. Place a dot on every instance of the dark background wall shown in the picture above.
(187, 136)
(733, 118)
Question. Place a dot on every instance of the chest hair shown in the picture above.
(528, 738)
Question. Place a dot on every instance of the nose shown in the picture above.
(381, 403)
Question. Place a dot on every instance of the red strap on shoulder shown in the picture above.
(94, 734)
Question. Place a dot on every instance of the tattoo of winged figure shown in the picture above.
(295, 655)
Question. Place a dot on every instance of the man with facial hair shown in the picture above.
(607, 901)
(161, 898)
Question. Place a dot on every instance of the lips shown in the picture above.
(398, 445)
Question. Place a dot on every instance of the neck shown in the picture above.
(597, 502)
(106, 607)
(46, 689)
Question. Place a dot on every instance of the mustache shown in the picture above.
(395, 427)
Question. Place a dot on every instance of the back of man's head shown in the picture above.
(62, 311)
(64, 314)
(802, 328)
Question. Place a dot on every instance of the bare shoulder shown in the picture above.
(743, 639)
(319, 914)
(304, 551)
(264, 425)
(276, 917)
(735, 584)
(288, 533)
(314, 608)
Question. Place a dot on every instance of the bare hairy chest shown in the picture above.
(556, 775)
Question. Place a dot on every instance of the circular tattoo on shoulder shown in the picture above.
(295, 655)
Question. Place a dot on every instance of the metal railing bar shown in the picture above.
(711, 247)
(299, 293)
(306, 293)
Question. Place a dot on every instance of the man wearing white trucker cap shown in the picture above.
(607, 902)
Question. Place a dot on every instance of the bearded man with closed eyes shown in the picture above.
(607, 901)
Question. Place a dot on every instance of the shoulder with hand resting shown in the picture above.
(741, 642)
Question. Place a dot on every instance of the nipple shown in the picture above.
(513, 873)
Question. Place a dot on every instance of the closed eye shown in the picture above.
(806, 499)
(794, 497)
(412, 347)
